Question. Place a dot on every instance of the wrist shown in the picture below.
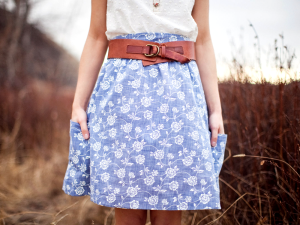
(77, 105)
(214, 110)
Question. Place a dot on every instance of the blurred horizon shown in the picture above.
(232, 35)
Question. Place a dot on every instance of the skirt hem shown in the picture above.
(139, 208)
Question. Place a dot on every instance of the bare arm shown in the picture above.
(90, 62)
(207, 68)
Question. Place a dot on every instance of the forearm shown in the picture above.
(205, 58)
(90, 63)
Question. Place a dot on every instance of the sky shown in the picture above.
(67, 22)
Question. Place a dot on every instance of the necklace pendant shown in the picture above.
(155, 4)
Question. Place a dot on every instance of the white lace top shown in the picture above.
(135, 16)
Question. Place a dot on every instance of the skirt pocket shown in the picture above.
(77, 177)
(218, 152)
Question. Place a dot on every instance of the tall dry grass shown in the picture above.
(259, 180)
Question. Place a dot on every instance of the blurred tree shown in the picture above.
(26, 52)
(17, 22)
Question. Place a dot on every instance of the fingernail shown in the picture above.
(86, 136)
(214, 143)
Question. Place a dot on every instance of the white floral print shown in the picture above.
(179, 139)
(105, 177)
(149, 180)
(140, 159)
(149, 145)
(173, 185)
(132, 191)
(153, 72)
(134, 204)
(146, 101)
(111, 198)
(159, 154)
(155, 134)
(125, 108)
(192, 180)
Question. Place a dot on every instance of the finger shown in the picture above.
(214, 137)
(84, 129)
(221, 131)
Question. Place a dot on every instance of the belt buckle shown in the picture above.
(152, 55)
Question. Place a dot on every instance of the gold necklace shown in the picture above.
(156, 3)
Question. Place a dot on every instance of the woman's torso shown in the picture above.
(135, 16)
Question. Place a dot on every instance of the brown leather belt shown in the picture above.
(152, 52)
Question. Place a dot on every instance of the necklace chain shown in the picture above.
(156, 3)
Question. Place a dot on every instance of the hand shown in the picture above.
(79, 116)
(216, 127)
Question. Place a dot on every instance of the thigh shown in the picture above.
(130, 216)
(165, 217)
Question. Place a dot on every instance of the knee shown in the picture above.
(130, 217)
(165, 218)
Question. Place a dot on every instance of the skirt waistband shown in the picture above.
(152, 52)
(153, 36)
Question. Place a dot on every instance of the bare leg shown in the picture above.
(130, 216)
(164, 217)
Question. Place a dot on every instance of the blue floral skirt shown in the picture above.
(149, 145)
